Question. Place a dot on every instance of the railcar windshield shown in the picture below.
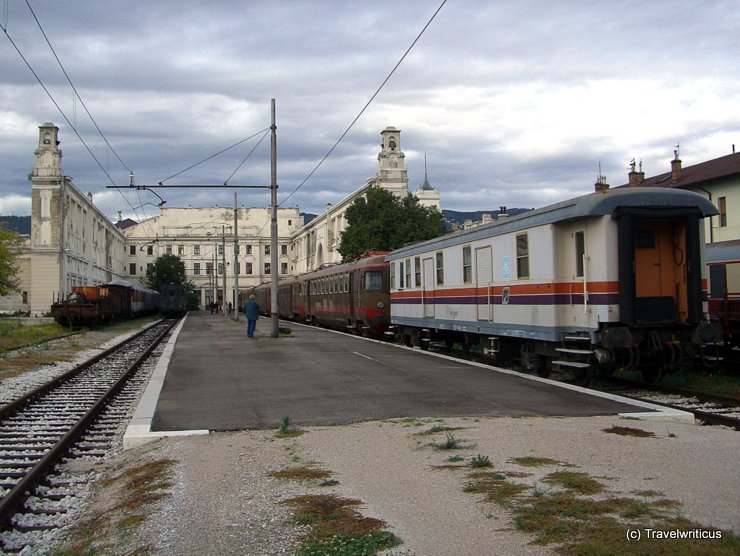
(373, 281)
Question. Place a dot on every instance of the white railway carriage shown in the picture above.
(611, 279)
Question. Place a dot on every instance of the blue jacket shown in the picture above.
(251, 309)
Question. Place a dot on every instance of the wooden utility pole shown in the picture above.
(273, 227)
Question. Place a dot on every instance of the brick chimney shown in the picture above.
(635, 177)
(675, 167)
(601, 186)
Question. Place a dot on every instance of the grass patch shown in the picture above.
(337, 527)
(14, 335)
(581, 483)
(629, 431)
(582, 525)
(288, 431)
(455, 458)
(302, 473)
(531, 461)
(131, 493)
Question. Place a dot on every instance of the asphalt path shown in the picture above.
(219, 380)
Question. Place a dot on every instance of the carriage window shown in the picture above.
(440, 269)
(417, 272)
(408, 273)
(522, 256)
(346, 282)
(580, 251)
(400, 275)
(467, 265)
(373, 281)
(393, 275)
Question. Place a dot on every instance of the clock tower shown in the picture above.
(392, 168)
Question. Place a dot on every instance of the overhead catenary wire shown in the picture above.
(248, 155)
(372, 98)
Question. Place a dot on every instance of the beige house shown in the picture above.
(216, 258)
(72, 242)
(316, 244)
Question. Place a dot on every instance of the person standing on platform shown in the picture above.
(251, 310)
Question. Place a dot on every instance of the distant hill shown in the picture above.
(455, 218)
(19, 224)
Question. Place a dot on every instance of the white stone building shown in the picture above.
(316, 243)
(72, 242)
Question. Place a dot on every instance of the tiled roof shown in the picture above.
(697, 174)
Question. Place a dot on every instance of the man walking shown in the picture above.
(251, 310)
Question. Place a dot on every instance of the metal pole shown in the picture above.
(223, 265)
(273, 227)
(213, 272)
(236, 263)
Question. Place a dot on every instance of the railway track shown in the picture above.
(710, 409)
(75, 416)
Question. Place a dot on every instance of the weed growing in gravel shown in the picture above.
(436, 429)
(287, 431)
(450, 443)
(302, 473)
(531, 461)
(629, 431)
(456, 458)
(338, 528)
(480, 462)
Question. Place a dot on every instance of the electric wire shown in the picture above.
(77, 94)
(214, 155)
(246, 157)
(375, 94)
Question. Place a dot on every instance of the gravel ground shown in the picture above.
(225, 503)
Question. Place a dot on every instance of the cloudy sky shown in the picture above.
(514, 103)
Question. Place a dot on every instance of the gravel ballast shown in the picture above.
(224, 502)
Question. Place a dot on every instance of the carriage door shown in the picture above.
(427, 293)
(660, 281)
(484, 283)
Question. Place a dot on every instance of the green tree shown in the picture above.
(10, 243)
(167, 269)
(380, 220)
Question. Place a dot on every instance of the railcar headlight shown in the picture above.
(381, 305)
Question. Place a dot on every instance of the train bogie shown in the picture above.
(605, 280)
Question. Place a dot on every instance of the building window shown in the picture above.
(722, 206)
(180, 249)
(248, 250)
(580, 252)
(283, 268)
(247, 268)
(150, 250)
(196, 268)
(522, 256)
(132, 269)
(268, 268)
(283, 249)
(24, 297)
(168, 249)
(220, 248)
(267, 249)
(220, 268)
(196, 249)
(440, 269)
(467, 265)
(132, 249)
(209, 268)
(417, 271)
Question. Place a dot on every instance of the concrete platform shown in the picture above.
(213, 378)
